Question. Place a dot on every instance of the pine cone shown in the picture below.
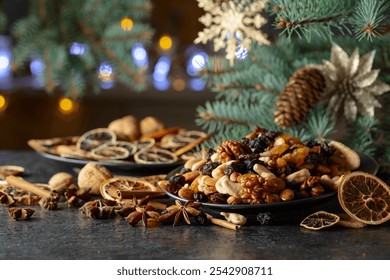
(302, 92)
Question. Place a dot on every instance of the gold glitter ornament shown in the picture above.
(351, 84)
(232, 24)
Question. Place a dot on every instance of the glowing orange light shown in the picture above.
(127, 24)
(3, 102)
(179, 84)
(66, 105)
(165, 43)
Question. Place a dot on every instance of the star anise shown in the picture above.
(6, 199)
(75, 196)
(179, 210)
(138, 211)
(99, 209)
(20, 214)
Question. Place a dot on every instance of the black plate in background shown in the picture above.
(118, 167)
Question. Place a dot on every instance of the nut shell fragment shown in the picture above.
(6, 170)
(234, 218)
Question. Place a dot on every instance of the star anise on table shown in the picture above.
(139, 211)
(75, 196)
(6, 199)
(99, 209)
(178, 211)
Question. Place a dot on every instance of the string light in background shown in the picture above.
(160, 73)
(197, 84)
(3, 102)
(165, 43)
(106, 76)
(140, 55)
(196, 62)
(5, 63)
(178, 84)
(241, 53)
(67, 105)
(127, 24)
(77, 48)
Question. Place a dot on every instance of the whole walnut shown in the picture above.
(91, 176)
(126, 128)
(61, 180)
(150, 124)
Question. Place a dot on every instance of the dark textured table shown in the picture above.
(67, 234)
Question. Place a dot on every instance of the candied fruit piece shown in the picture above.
(300, 154)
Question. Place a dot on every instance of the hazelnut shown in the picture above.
(150, 124)
(61, 180)
(91, 176)
(126, 128)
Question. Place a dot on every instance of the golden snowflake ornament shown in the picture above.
(232, 24)
(351, 84)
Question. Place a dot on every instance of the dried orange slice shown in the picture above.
(122, 144)
(143, 144)
(320, 220)
(104, 153)
(191, 135)
(119, 188)
(153, 156)
(95, 138)
(365, 198)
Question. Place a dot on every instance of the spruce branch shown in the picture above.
(370, 18)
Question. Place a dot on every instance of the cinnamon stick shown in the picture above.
(130, 194)
(26, 186)
(224, 223)
(190, 146)
(160, 133)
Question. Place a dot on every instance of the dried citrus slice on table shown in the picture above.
(365, 197)
(153, 156)
(320, 220)
(119, 188)
(95, 138)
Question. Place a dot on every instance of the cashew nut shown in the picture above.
(344, 156)
(298, 176)
(225, 186)
(263, 171)
(331, 183)
(234, 218)
(189, 163)
(218, 172)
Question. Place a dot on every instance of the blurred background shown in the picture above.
(173, 90)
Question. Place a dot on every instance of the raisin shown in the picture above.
(177, 180)
(218, 198)
(291, 168)
(326, 149)
(311, 143)
(239, 167)
(200, 197)
(201, 220)
(251, 163)
(312, 158)
(259, 144)
(207, 168)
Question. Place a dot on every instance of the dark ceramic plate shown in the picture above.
(368, 164)
(120, 167)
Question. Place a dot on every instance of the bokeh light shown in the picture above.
(37, 67)
(241, 53)
(178, 84)
(66, 105)
(196, 62)
(4, 62)
(197, 84)
(165, 42)
(77, 49)
(140, 56)
(161, 69)
(105, 72)
(3, 102)
(127, 24)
